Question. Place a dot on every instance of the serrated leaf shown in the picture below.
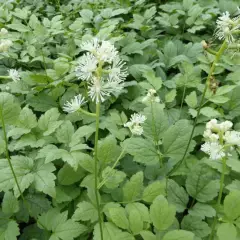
(153, 190)
(132, 189)
(179, 235)
(9, 204)
(65, 132)
(175, 139)
(191, 99)
(156, 82)
(177, 195)
(85, 212)
(227, 231)
(232, 205)
(162, 213)
(113, 177)
(9, 108)
(196, 225)
(135, 222)
(170, 96)
(118, 216)
(202, 210)
(201, 183)
(142, 210)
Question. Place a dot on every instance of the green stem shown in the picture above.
(87, 113)
(209, 50)
(218, 55)
(109, 174)
(5, 77)
(183, 97)
(219, 197)
(96, 168)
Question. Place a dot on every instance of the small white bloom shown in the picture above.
(226, 26)
(3, 31)
(90, 46)
(73, 105)
(5, 44)
(212, 124)
(14, 75)
(209, 136)
(87, 65)
(135, 123)
(232, 137)
(106, 52)
(138, 118)
(117, 72)
(214, 150)
(137, 130)
(225, 126)
(150, 97)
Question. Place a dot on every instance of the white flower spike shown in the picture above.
(135, 123)
(14, 75)
(151, 96)
(5, 44)
(75, 104)
(214, 150)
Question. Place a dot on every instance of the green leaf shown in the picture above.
(34, 232)
(209, 112)
(132, 189)
(48, 122)
(156, 123)
(27, 119)
(232, 205)
(114, 177)
(156, 82)
(60, 227)
(9, 229)
(196, 225)
(179, 235)
(23, 170)
(146, 235)
(201, 183)
(153, 190)
(87, 15)
(135, 221)
(44, 178)
(162, 213)
(10, 204)
(202, 210)
(9, 108)
(108, 150)
(65, 132)
(175, 139)
(19, 27)
(170, 96)
(118, 216)
(85, 212)
(142, 210)
(234, 164)
(227, 231)
(177, 195)
(144, 151)
(191, 99)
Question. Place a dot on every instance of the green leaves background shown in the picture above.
(52, 153)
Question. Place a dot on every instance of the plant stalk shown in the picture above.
(219, 197)
(211, 72)
(96, 168)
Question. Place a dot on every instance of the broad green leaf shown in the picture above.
(118, 216)
(19, 27)
(85, 211)
(48, 122)
(153, 190)
(66, 193)
(170, 96)
(133, 188)
(23, 170)
(209, 112)
(9, 204)
(156, 82)
(177, 195)
(86, 15)
(142, 210)
(9, 108)
(191, 99)
(156, 123)
(67, 175)
(175, 139)
(44, 179)
(9, 229)
(195, 225)
(34, 232)
(108, 150)
(234, 164)
(135, 221)
(202, 210)
(179, 235)
(27, 119)
(60, 227)
(144, 151)
(147, 235)
(162, 213)
(201, 183)
(113, 176)
(227, 231)
(64, 132)
(232, 205)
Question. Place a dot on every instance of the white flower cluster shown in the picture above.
(5, 44)
(151, 96)
(74, 105)
(226, 27)
(135, 123)
(14, 75)
(102, 68)
(219, 139)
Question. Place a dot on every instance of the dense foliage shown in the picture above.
(158, 184)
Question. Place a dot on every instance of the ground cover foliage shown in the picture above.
(63, 178)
